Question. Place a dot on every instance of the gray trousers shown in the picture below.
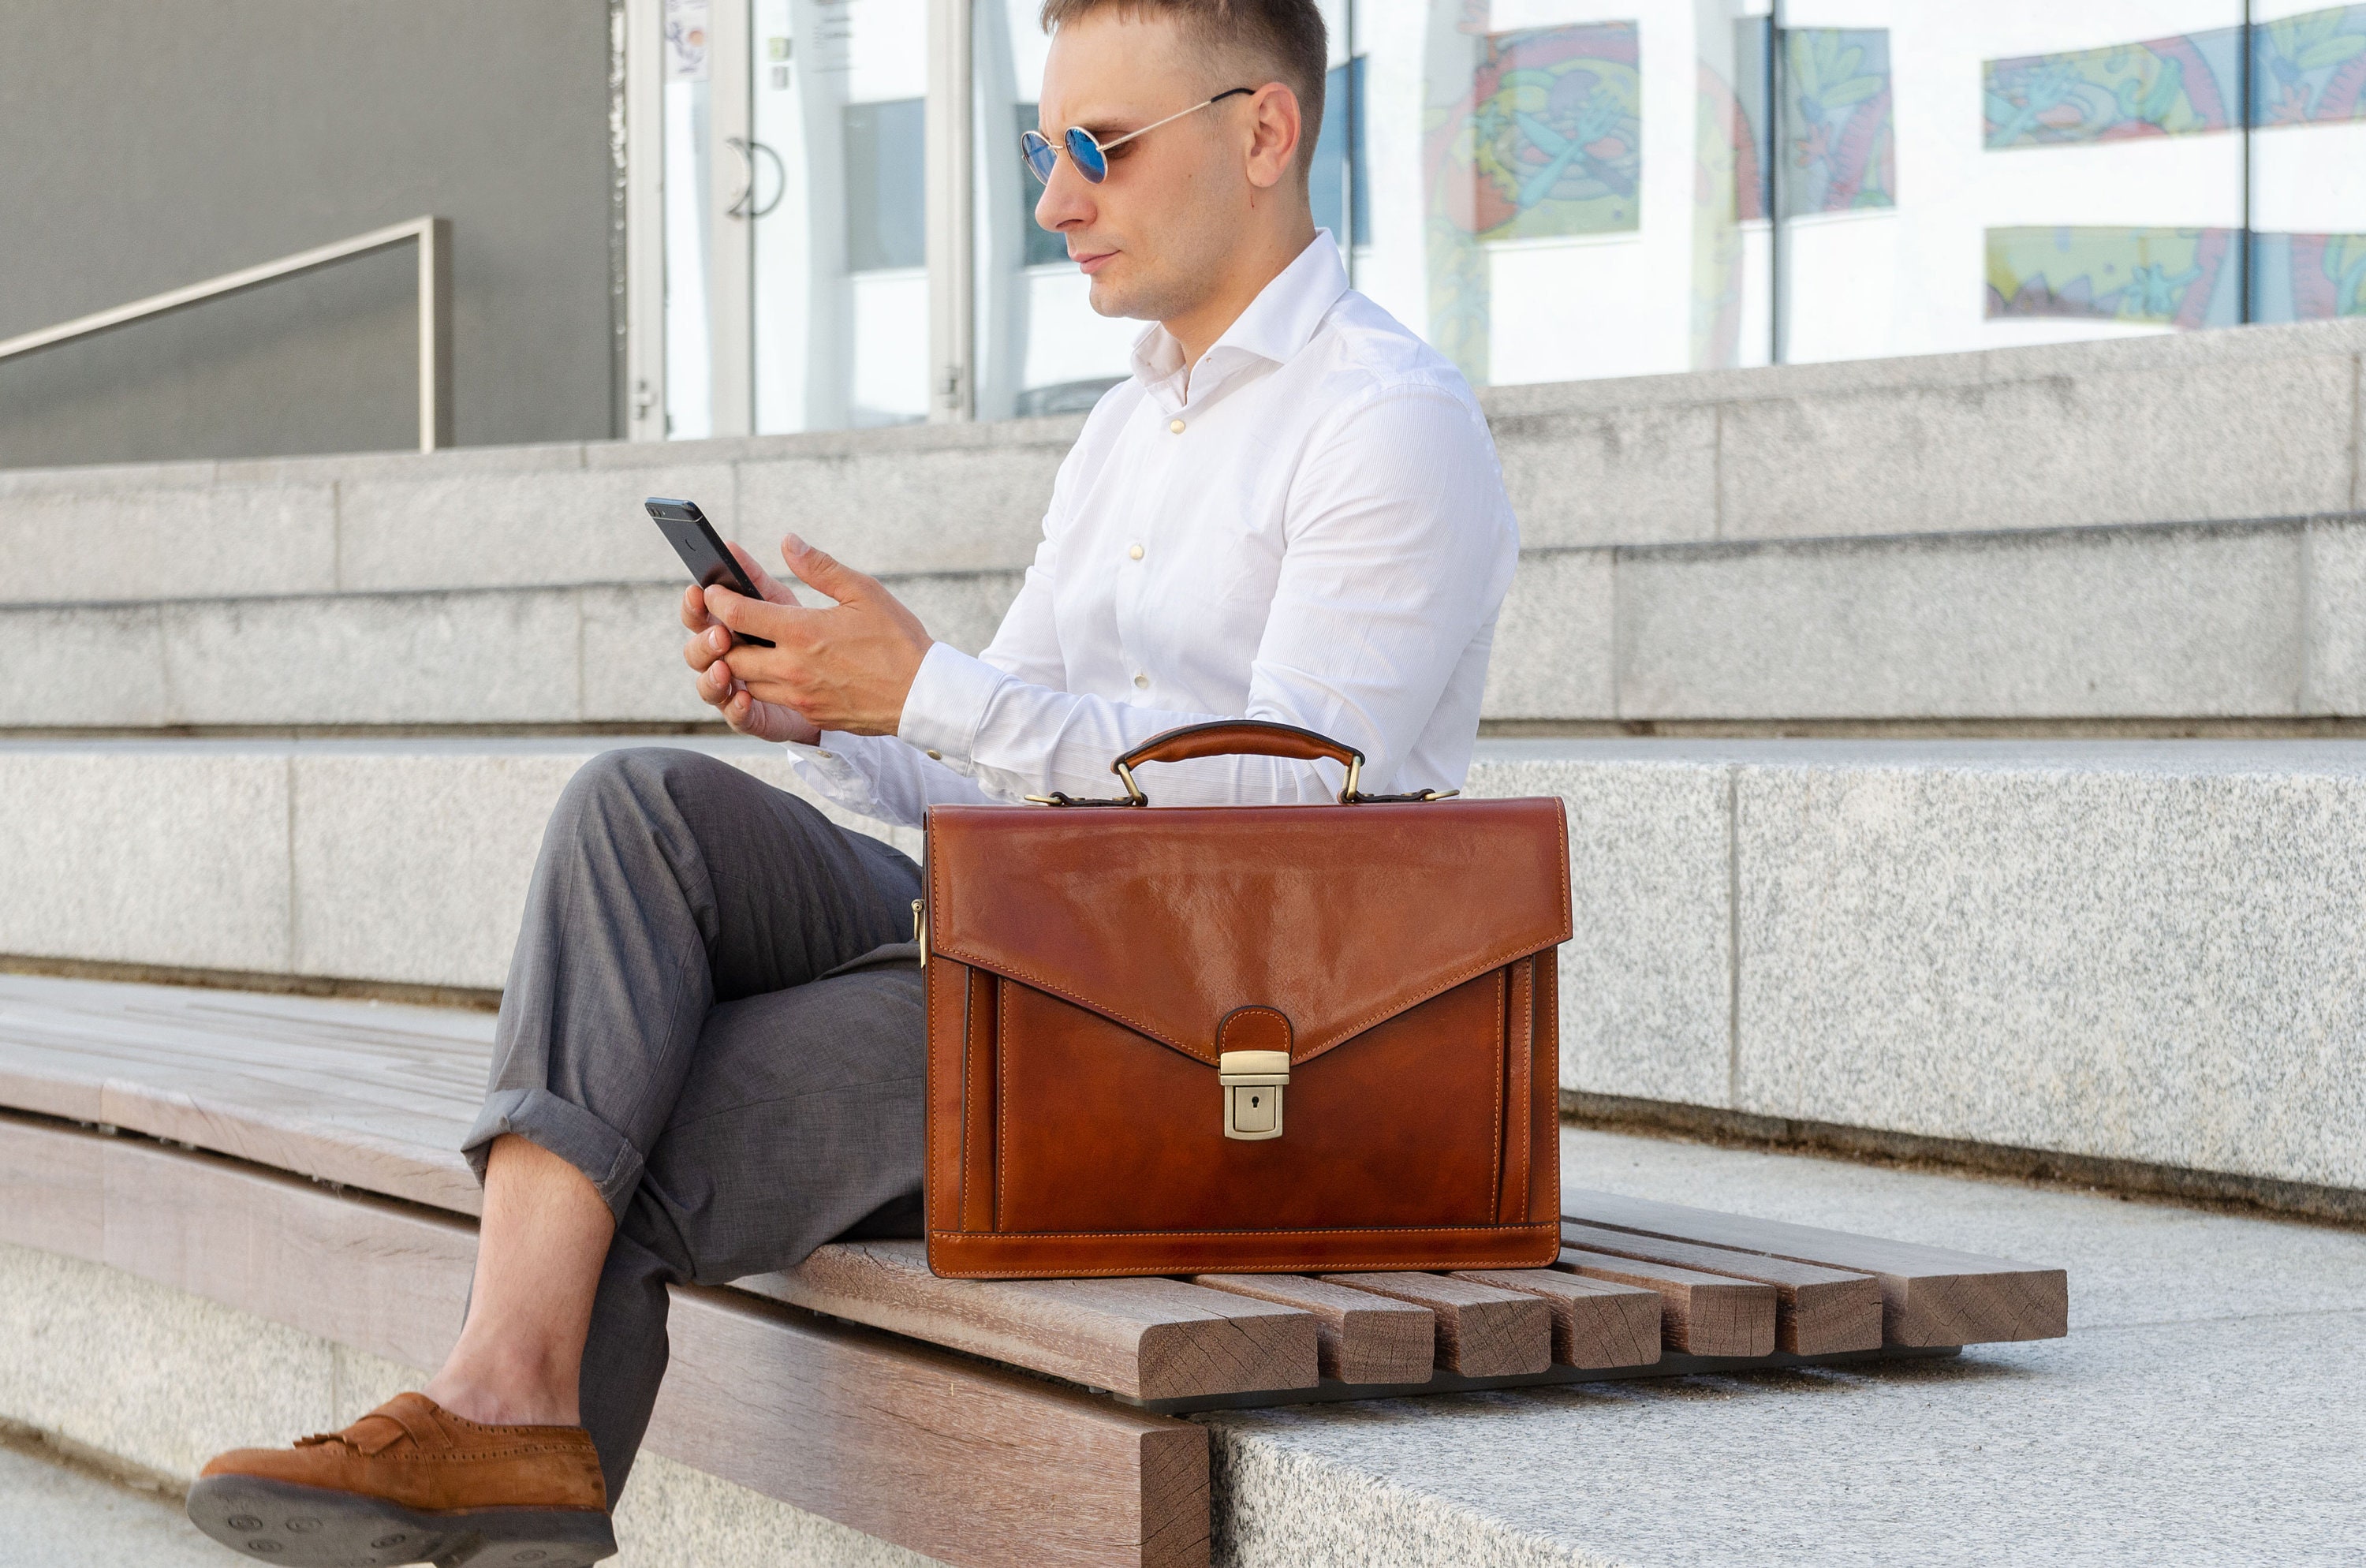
(715, 1014)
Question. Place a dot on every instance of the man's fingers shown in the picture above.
(694, 617)
(706, 646)
(823, 571)
(770, 587)
(714, 682)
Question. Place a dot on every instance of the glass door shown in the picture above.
(792, 214)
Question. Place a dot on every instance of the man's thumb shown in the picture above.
(821, 571)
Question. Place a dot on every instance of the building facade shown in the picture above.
(689, 217)
(1550, 189)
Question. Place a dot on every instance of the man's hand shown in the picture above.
(846, 668)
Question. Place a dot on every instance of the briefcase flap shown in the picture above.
(1165, 920)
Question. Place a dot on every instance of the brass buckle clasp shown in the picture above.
(1253, 1083)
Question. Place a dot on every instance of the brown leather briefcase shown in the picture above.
(1258, 1038)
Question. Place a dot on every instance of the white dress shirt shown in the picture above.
(1314, 533)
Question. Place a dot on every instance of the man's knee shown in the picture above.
(643, 783)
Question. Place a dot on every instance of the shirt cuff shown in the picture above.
(825, 762)
(946, 704)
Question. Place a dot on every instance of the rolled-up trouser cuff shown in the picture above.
(602, 1154)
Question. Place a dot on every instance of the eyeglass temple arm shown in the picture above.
(1178, 114)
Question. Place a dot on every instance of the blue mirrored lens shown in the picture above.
(1091, 162)
(1040, 153)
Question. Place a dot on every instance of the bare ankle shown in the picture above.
(502, 1401)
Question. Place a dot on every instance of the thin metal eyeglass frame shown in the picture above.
(1034, 142)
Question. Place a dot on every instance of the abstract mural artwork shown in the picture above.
(2171, 86)
(1543, 140)
(2307, 277)
(2310, 69)
(1839, 129)
(2183, 277)
(1549, 141)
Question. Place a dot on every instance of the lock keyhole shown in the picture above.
(1252, 1107)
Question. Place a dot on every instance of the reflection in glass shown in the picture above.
(1837, 120)
(2169, 86)
(2180, 277)
(2308, 277)
(840, 314)
(2311, 68)
(1040, 348)
(689, 343)
(1338, 154)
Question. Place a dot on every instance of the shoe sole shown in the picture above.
(314, 1527)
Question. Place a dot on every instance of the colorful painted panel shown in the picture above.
(2184, 277)
(2308, 277)
(1549, 141)
(1528, 135)
(1837, 126)
(1744, 123)
(2310, 68)
(1729, 189)
(2171, 86)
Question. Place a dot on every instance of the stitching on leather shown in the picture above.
(1224, 1027)
(1015, 972)
(1522, 1062)
(961, 1176)
(1001, 1105)
(1495, 1195)
(935, 1131)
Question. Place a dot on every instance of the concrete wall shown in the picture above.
(2158, 529)
(150, 146)
(162, 1378)
(2141, 951)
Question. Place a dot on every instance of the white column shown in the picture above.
(950, 267)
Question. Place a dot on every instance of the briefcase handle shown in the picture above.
(1237, 737)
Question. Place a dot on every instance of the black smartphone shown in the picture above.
(693, 538)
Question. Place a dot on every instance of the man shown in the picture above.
(709, 1059)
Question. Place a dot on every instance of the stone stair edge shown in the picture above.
(1919, 371)
(2211, 756)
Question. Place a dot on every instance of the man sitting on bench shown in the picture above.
(709, 1059)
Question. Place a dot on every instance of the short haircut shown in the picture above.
(1286, 36)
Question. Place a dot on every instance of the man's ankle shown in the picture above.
(496, 1401)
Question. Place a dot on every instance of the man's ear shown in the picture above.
(1274, 135)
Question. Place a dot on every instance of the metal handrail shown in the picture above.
(434, 238)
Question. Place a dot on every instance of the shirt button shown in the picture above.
(1133, 552)
(1143, 681)
(935, 755)
(1175, 425)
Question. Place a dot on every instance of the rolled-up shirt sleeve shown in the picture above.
(1397, 548)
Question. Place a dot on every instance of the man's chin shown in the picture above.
(1112, 295)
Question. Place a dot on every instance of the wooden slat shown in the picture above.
(1816, 1310)
(376, 1276)
(1701, 1314)
(1482, 1331)
(1595, 1324)
(1360, 1337)
(1929, 1295)
(967, 1464)
(972, 1464)
(350, 1092)
(1150, 1339)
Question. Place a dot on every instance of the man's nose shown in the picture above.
(1067, 196)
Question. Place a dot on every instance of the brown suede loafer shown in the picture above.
(413, 1483)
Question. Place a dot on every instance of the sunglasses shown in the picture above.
(1089, 153)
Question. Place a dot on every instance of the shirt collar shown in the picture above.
(1279, 323)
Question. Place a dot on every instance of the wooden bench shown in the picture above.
(296, 1158)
